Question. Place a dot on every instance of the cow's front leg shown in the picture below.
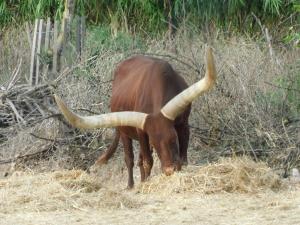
(145, 157)
(183, 134)
(140, 164)
(129, 158)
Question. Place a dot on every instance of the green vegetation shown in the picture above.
(287, 97)
(283, 97)
(102, 40)
(153, 15)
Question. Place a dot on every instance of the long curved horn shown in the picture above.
(132, 119)
(178, 104)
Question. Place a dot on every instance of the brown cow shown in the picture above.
(150, 103)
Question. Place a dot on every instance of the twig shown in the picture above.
(37, 87)
(14, 76)
(258, 21)
(10, 160)
(285, 132)
(87, 110)
(271, 51)
(39, 108)
(45, 118)
(12, 106)
(42, 138)
(68, 70)
(173, 58)
(62, 141)
(265, 32)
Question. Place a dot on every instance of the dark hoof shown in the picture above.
(101, 160)
(129, 187)
(184, 163)
(94, 168)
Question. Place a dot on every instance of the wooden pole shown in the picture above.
(47, 38)
(63, 41)
(46, 48)
(55, 50)
(32, 60)
(78, 37)
(83, 33)
(37, 74)
(63, 34)
(28, 34)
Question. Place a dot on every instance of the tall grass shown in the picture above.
(152, 15)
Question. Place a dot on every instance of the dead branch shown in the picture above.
(268, 38)
(44, 148)
(14, 75)
(18, 116)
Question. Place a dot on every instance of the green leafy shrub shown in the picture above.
(101, 39)
(285, 97)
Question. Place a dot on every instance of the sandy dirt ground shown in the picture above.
(263, 208)
(72, 197)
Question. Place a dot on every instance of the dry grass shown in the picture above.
(14, 47)
(227, 175)
(75, 197)
(75, 189)
(60, 190)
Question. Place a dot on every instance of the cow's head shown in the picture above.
(163, 137)
(159, 127)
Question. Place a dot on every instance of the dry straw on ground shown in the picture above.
(227, 175)
(60, 190)
(75, 189)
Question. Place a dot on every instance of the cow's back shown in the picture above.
(144, 84)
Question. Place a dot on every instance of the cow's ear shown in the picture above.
(115, 119)
(179, 103)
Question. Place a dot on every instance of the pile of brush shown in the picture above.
(23, 105)
(30, 124)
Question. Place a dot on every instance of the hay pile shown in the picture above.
(75, 189)
(61, 190)
(241, 175)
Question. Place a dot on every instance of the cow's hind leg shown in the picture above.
(129, 158)
(109, 152)
(183, 133)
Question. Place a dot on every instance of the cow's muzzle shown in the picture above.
(169, 170)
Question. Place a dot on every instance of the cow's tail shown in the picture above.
(103, 159)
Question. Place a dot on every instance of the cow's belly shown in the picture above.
(131, 132)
